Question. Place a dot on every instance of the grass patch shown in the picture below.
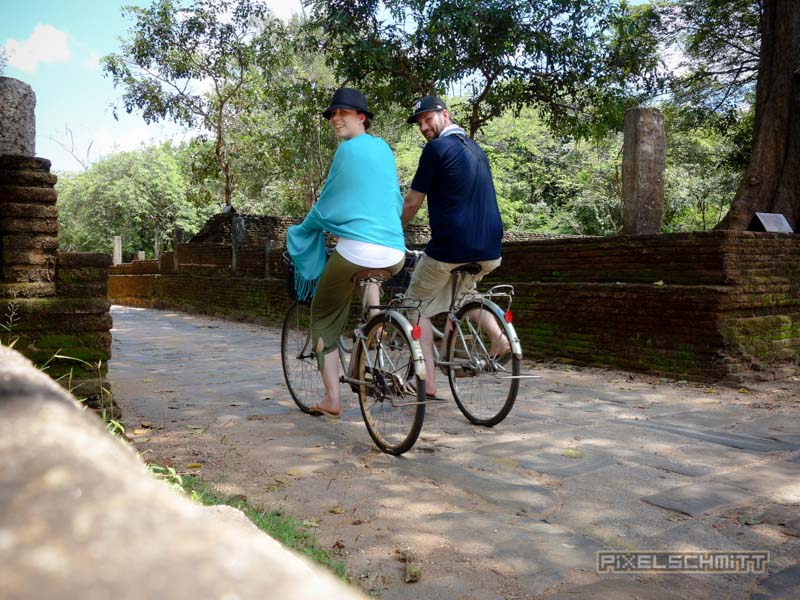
(288, 531)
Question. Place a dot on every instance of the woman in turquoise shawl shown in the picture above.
(361, 204)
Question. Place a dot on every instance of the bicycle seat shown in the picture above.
(471, 268)
(377, 274)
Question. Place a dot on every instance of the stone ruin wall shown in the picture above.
(703, 306)
(50, 302)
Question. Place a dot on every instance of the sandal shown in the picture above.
(315, 410)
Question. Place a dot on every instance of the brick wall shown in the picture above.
(702, 306)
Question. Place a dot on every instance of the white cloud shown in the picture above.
(284, 9)
(45, 45)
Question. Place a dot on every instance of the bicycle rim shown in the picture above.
(393, 410)
(484, 388)
(299, 363)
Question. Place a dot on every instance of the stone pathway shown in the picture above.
(588, 460)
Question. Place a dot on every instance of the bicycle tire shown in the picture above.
(483, 387)
(392, 412)
(298, 359)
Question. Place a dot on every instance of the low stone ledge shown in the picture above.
(84, 259)
(82, 518)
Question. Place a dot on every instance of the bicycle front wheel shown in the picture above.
(484, 385)
(391, 396)
(298, 359)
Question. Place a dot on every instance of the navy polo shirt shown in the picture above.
(462, 205)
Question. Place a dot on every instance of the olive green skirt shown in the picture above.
(331, 304)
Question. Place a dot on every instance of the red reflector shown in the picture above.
(416, 332)
(508, 316)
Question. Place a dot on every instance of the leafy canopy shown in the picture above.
(568, 58)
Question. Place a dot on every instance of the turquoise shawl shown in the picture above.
(360, 201)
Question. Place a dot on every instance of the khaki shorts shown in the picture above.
(430, 282)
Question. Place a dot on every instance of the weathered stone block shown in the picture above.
(28, 211)
(17, 119)
(17, 193)
(27, 290)
(34, 226)
(14, 241)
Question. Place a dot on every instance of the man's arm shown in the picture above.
(411, 204)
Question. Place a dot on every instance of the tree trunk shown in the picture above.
(772, 180)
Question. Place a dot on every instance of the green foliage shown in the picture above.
(700, 179)
(720, 41)
(563, 57)
(288, 531)
(193, 65)
(139, 195)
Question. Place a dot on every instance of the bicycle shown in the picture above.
(385, 367)
(484, 385)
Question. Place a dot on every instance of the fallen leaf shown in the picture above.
(572, 453)
(294, 472)
(310, 523)
(749, 519)
(413, 573)
(336, 510)
(339, 545)
(140, 432)
(193, 466)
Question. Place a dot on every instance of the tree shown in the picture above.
(770, 181)
(719, 44)
(140, 195)
(565, 57)
(191, 65)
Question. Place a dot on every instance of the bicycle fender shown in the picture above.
(516, 346)
(416, 348)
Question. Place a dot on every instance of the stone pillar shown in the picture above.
(117, 260)
(177, 239)
(17, 120)
(643, 165)
(28, 227)
(140, 255)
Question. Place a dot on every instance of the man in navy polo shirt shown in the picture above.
(465, 222)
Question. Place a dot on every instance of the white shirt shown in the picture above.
(371, 256)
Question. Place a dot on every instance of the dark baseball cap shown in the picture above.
(426, 104)
(348, 98)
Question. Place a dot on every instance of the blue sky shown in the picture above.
(54, 46)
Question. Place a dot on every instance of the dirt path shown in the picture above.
(587, 461)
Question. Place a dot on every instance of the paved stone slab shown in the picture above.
(516, 496)
(783, 428)
(698, 498)
(763, 480)
(783, 585)
(731, 440)
(703, 419)
(539, 553)
(562, 466)
(617, 589)
(673, 466)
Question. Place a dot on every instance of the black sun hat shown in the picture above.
(348, 98)
(426, 104)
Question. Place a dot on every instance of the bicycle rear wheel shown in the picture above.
(484, 387)
(298, 359)
(392, 409)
